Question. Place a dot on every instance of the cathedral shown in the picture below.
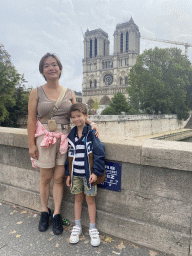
(105, 74)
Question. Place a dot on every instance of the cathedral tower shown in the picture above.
(105, 74)
(96, 44)
(126, 38)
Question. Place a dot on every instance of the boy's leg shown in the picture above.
(93, 232)
(77, 189)
(91, 208)
(78, 205)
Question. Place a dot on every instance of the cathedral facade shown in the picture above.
(105, 74)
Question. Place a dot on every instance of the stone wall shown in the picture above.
(154, 206)
(136, 125)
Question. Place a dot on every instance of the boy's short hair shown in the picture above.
(79, 107)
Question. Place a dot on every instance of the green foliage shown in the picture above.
(8, 80)
(117, 105)
(20, 109)
(161, 82)
(108, 111)
(95, 104)
(13, 95)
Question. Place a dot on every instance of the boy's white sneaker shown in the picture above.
(94, 235)
(75, 233)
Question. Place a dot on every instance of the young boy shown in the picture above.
(84, 169)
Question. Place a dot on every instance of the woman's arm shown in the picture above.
(73, 98)
(93, 126)
(31, 122)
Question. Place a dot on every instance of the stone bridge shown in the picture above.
(154, 206)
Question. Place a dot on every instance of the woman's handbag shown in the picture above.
(52, 125)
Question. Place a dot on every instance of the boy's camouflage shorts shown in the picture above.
(80, 185)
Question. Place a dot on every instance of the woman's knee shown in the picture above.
(58, 176)
(46, 176)
(58, 179)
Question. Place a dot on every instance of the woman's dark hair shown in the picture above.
(42, 61)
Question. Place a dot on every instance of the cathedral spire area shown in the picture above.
(105, 74)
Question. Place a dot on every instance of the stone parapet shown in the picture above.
(13, 137)
(152, 209)
(136, 125)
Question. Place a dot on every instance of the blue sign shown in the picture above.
(113, 176)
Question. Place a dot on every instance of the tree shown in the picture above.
(8, 80)
(108, 111)
(13, 93)
(117, 105)
(160, 82)
(189, 92)
(19, 110)
(95, 104)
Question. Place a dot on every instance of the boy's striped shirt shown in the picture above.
(79, 161)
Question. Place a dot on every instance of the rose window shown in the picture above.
(108, 79)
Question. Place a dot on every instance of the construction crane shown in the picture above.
(170, 42)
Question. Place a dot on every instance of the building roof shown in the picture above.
(93, 32)
(127, 24)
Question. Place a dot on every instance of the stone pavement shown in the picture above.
(19, 236)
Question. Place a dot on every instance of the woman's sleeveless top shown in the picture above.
(45, 105)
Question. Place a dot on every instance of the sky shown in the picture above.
(31, 28)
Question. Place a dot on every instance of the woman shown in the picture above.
(46, 152)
